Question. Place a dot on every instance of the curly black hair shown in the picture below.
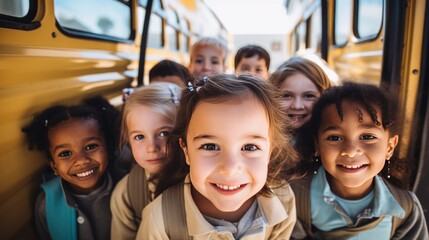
(369, 97)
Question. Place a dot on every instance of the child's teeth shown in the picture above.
(84, 174)
(225, 187)
(352, 167)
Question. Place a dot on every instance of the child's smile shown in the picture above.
(352, 150)
(227, 154)
(148, 132)
(86, 173)
(78, 153)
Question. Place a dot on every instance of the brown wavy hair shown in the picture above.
(219, 88)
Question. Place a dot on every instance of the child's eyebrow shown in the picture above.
(370, 126)
(330, 128)
(361, 126)
(166, 127)
(203, 136)
(65, 145)
(207, 136)
(60, 147)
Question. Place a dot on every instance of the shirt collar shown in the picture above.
(271, 209)
(384, 202)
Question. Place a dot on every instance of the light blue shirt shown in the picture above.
(327, 212)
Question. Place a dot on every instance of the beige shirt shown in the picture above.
(279, 212)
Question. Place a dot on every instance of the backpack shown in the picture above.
(174, 214)
(172, 203)
(301, 188)
(138, 198)
(60, 217)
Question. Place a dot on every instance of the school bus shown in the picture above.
(61, 51)
(379, 42)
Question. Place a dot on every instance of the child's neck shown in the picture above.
(207, 208)
(350, 193)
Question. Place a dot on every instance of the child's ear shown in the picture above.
(185, 150)
(54, 167)
(393, 141)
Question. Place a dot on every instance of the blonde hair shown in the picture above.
(162, 97)
(210, 42)
(304, 66)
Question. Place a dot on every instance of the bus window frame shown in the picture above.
(334, 23)
(369, 38)
(25, 23)
(94, 36)
(185, 32)
(157, 10)
(174, 25)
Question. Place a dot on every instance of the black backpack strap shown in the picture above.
(405, 200)
(138, 191)
(173, 212)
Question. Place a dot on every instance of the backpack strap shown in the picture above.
(405, 200)
(138, 191)
(301, 189)
(348, 232)
(60, 217)
(173, 212)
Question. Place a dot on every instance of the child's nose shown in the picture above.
(206, 65)
(230, 164)
(297, 103)
(82, 158)
(152, 145)
(351, 150)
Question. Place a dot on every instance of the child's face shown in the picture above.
(148, 132)
(79, 153)
(353, 151)
(206, 60)
(299, 96)
(253, 65)
(228, 150)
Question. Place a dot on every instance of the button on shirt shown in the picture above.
(327, 212)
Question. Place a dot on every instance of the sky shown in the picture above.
(251, 16)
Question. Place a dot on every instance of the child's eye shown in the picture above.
(258, 70)
(199, 61)
(215, 62)
(310, 97)
(287, 95)
(334, 138)
(367, 137)
(210, 147)
(91, 146)
(245, 68)
(139, 137)
(164, 134)
(65, 154)
(249, 147)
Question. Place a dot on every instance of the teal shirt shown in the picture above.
(327, 212)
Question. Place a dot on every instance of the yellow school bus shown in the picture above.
(379, 42)
(61, 51)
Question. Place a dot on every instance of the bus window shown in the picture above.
(184, 35)
(156, 29)
(80, 17)
(172, 29)
(342, 21)
(301, 33)
(17, 9)
(369, 18)
(315, 30)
